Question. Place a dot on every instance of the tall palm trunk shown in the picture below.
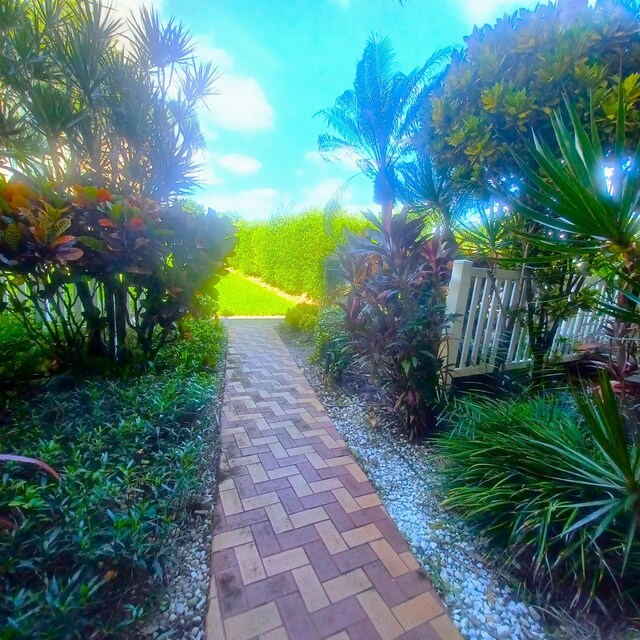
(384, 194)
(387, 214)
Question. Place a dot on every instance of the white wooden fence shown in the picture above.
(486, 327)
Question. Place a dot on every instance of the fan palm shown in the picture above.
(377, 119)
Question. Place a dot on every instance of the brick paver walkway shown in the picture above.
(302, 547)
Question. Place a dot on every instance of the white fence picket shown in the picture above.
(481, 307)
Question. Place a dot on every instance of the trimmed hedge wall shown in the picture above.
(288, 251)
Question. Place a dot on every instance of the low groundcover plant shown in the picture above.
(87, 548)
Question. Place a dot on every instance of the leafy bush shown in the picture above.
(20, 359)
(81, 269)
(512, 74)
(331, 341)
(303, 316)
(395, 312)
(78, 556)
(288, 251)
(556, 482)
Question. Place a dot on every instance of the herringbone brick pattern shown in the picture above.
(302, 547)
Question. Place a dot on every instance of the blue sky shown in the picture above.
(283, 60)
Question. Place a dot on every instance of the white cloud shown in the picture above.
(205, 51)
(126, 8)
(251, 203)
(487, 11)
(319, 194)
(239, 164)
(314, 157)
(241, 105)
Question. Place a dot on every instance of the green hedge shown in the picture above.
(288, 251)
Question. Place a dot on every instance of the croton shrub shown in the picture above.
(93, 275)
(393, 295)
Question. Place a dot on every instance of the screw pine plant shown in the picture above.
(588, 218)
(597, 216)
(395, 313)
(78, 106)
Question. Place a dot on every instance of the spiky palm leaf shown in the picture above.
(93, 109)
(595, 217)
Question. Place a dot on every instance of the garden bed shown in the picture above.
(119, 546)
(485, 601)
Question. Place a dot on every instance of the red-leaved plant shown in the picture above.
(394, 301)
(80, 269)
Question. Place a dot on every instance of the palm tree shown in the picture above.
(377, 119)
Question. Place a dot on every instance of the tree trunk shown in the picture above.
(109, 303)
(387, 213)
(92, 317)
(121, 316)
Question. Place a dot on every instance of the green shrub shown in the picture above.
(20, 359)
(78, 556)
(557, 483)
(331, 342)
(511, 75)
(288, 251)
(80, 270)
(303, 316)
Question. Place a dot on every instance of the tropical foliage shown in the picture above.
(21, 360)
(79, 552)
(594, 214)
(77, 105)
(374, 123)
(477, 121)
(99, 265)
(510, 76)
(555, 481)
(81, 270)
(303, 317)
(331, 342)
(394, 300)
(583, 205)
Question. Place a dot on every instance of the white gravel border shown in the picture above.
(181, 611)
